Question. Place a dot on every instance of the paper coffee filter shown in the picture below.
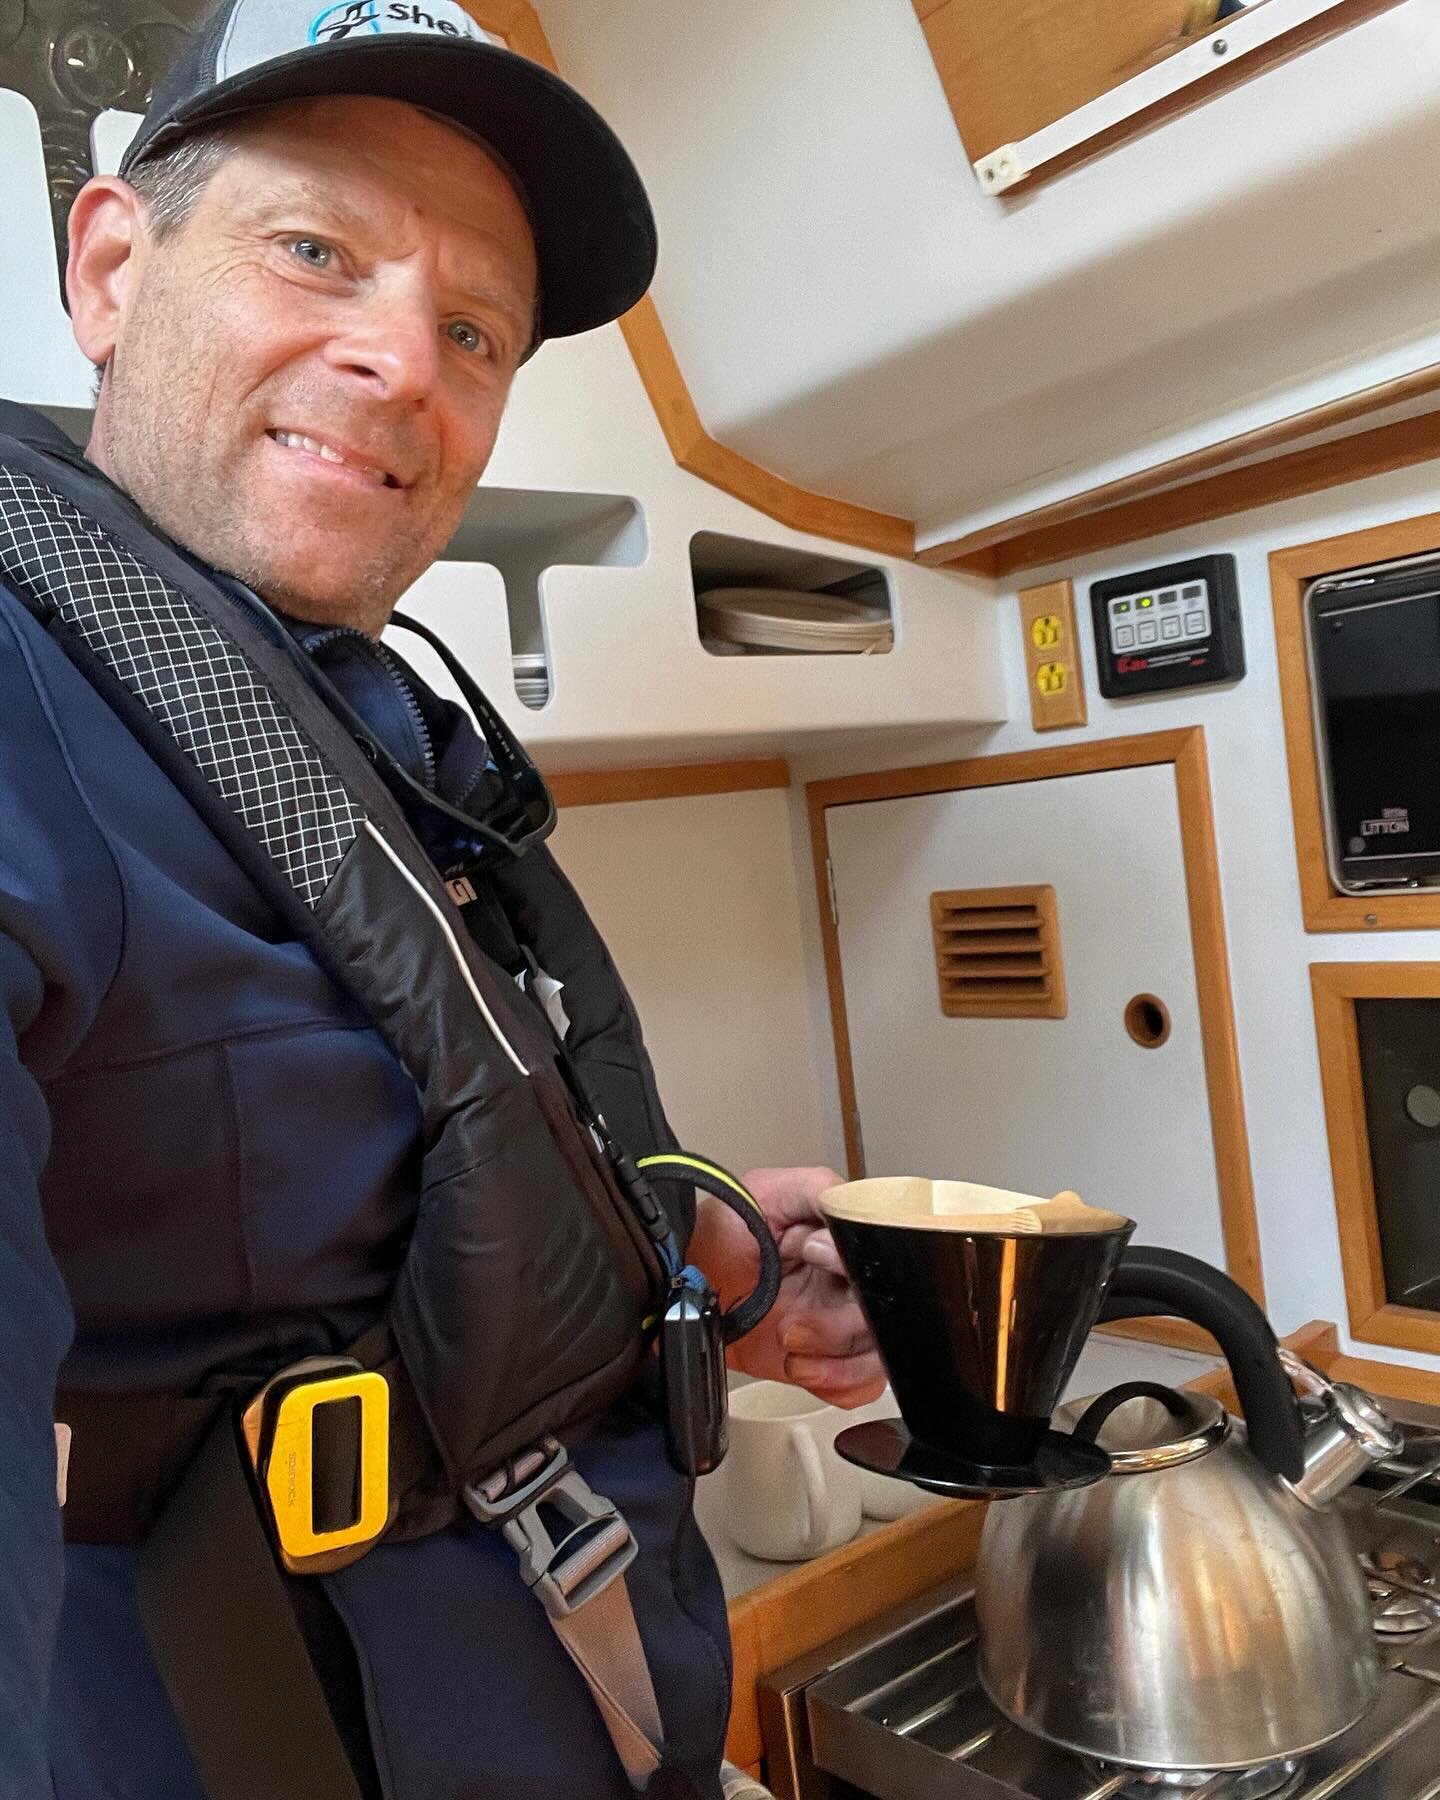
(916, 1201)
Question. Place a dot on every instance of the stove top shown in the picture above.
(895, 1711)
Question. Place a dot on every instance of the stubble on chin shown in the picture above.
(213, 510)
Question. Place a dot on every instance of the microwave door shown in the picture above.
(1376, 666)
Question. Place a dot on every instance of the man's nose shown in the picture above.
(392, 344)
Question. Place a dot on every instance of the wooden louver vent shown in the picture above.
(997, 953)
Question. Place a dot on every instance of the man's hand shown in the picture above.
(815, 1334)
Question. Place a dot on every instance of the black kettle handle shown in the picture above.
(1088, 1425)
(1167, 1281)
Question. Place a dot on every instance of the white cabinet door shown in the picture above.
(1033, 1104)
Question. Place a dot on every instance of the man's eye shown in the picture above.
(463, 333)
(312, 251)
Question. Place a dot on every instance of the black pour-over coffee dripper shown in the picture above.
(979, 1331)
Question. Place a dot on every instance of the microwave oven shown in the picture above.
(1373, 639)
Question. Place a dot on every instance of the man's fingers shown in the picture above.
(829, 1376)
(829, 1331)
(790, 1196)
(818, 1249)
(859, 1396)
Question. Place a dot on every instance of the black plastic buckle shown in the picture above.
(692, 1376)
(567, 1571)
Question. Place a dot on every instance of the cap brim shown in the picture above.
(594, 231)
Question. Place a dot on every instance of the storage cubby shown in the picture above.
(522, 532)
(719, 562)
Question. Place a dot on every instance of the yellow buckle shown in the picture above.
(279, 1427)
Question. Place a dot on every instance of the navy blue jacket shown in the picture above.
(197, 1129)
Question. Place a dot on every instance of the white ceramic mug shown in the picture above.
(788, 1496)
(881, 1496)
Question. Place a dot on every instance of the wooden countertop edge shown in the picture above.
(804, 1608)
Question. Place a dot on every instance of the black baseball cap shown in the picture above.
(594, 231)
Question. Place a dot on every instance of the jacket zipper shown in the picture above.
(391, 665)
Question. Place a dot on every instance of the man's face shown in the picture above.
(308, 375)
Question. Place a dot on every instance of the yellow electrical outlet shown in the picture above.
(1046, 632)
(1052, 656)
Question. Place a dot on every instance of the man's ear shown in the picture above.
(107, 242)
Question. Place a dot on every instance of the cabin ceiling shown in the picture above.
(851, 311)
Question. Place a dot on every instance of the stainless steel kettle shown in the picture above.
(1201, 1607)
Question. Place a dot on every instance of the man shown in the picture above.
(332, 244)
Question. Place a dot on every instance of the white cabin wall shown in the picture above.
(850, 309)
(1270, 952)
(698, 900)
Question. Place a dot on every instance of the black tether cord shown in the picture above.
(711, 1179)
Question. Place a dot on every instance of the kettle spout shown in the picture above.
(1347, 1432)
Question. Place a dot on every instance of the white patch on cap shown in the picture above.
(261, 30)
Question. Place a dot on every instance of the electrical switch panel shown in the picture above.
(1052, 655)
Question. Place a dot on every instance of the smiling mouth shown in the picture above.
(317, 447)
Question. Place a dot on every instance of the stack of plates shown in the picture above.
(789, 619)
(532, 677)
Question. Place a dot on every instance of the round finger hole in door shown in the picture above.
(1423, 1105)
(1147, 1019)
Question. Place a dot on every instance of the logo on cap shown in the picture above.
(344, 20)
(354, 18)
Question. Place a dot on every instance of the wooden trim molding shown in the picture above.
(1319, 1343)
(1198, 487)
(1335, 987)
(691, 445)
(1291, 570)
(1185, 750)
(699, 454)
(607, 787)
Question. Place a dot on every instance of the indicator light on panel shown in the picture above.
(1192, 608)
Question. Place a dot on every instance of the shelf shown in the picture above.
(632, 684)
(523, 532)
(721, 561)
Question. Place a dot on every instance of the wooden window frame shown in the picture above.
(1323, 906)
(1335, 987)
(1185, 750)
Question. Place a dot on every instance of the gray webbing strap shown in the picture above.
(603, 1641)
(735, 1784)
(580, 1581)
